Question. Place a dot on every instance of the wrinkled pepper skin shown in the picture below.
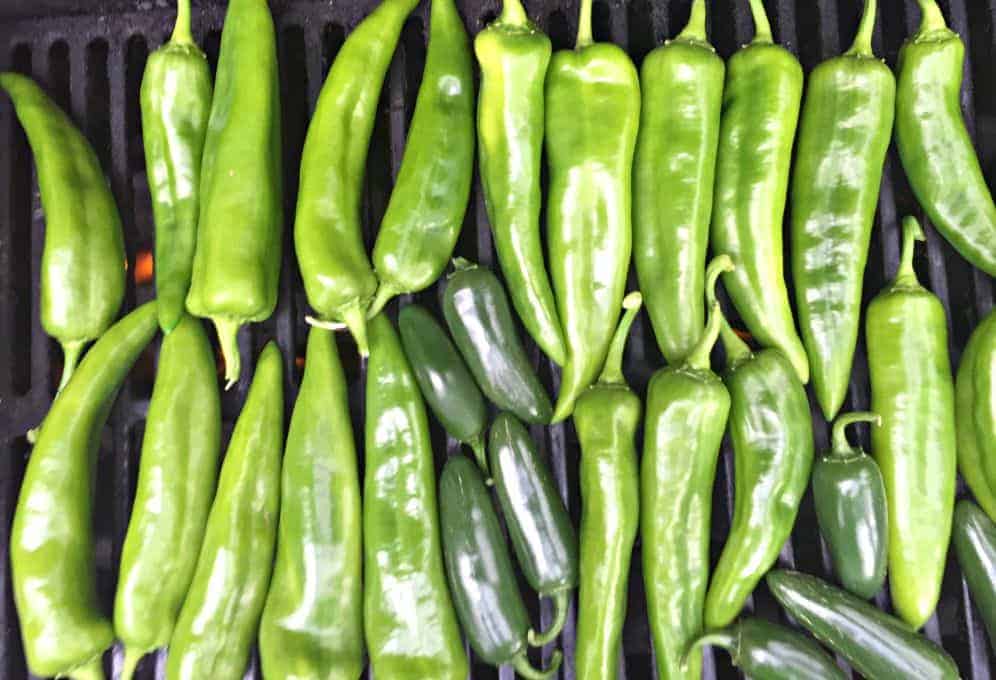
(606, 418)
(936, 151)
(912, 389)
(83, 260)
(592, 116)
(673, 176)
(875, 644)
(761, 102)
(975, 412)
(63, 627)
(237, 258)
(481, 576)
(220, 616)
(849, 496)
(338, 278)
(513, 55)
(312, 623)
(975, 546)
(687, 409)
(538, 523)
(175, 102)
(176, 484)
(844, 135)
(409, 621)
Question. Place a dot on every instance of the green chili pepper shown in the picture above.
(513, 55)
(480, 572)
(63, 626)
(851, 510)
(687, 409)
(592, 116)
(879, 646)
(911, 386)
(237, 260)
(675, 165)
(411, 627)
(767, 651)
(934, 145)
(175, 102)
(538, 523)
(975, 410)
(312, 623)
(83, 261)
(760, 111)
(843, 138)
(176, 483)
(606, 418)
(975, 547)
(480, 321)
(335, 269)
(220, 616)
(445, 382)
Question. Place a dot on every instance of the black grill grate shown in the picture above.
(90, 56)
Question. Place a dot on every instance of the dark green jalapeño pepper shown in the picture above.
(975, 546)
(592, 115)
(975, 411)
(674, 169)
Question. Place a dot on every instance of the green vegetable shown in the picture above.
(975, 547)
(975, 412)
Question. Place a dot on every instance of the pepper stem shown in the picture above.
(839, 436)
(724, 638)
(131, 658)
(71, 352)
(695, 29)
(932, 19)
(561, 601)
(385, 291)
(91, 670)
(912, 232)
(762, 27)
(612, 371)
(523, 668)
(181, 29)
(736, 349)
(584, 26)
(228, 338)
(699, 356)
(862, 45)
(512, 12)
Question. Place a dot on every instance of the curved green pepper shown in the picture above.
(851, 510)
(843, 138)
(934, 145)
(687, 409)
(176, 484)
(606, 418)
(312, 623)
(237, 259)
(175, 102)
(760, 111)
(411, 627)
(220, 616)
(907, 337)
(673, 175)
(975, 411)
(592, 116)
(335, 269)
(538, 523)
(51, 542)
(513, 55)
(480, 572)
(975, 546)
(876, 644)
(83, 261)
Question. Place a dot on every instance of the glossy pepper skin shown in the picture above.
(687, 409)
(237, 258)
(538, 523)
(63, 627)
(849, 495)
(409, 620)
(975, 412)
(673, 176)
(875, 644)
(176, 484)
(480, 321)
(338, 278)
(975, 547)
(513, 55)
(761, 103)
(592, 115)
(220, 616)
(936, 151)
(844, 135)
(606, 418)
(445, 381)
(312, 623)
(907, 338)
(83, 260)
(175, 103)
(481, 576)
